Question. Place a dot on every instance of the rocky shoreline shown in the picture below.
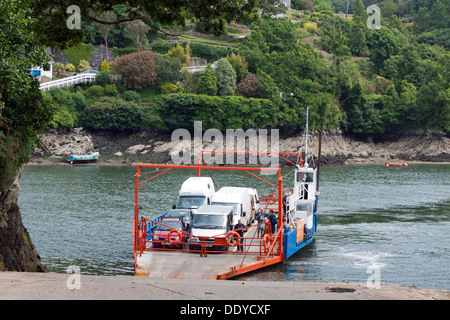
(154, 147)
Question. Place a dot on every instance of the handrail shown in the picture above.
(276, 239)
(79, 78)
(144, 230)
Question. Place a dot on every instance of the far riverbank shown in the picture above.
(415, 147)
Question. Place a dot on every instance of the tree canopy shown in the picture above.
(27, 27)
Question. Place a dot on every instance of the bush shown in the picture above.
(230, 112)
(70, 67)
(239, 64)
(161, 47)
(131, 96)
(226, 78)
(58, 68)
(168, 88)
(63, 118)
(138, 69)
(102, 78)
(104, 66)
(117, 52)
(249, 86)
(311, 27)
(95, 91)
(110, 90)
(60, 96)
(207, 83)
(114, 114)
(210, 53)
(78, 100)
(168, 69)
(83, 66)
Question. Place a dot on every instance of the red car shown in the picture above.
(169, 228)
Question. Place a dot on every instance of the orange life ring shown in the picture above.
(266, 241)
(232, 234)
(271, 199)
(175, 241)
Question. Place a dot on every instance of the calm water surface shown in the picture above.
(394, 219)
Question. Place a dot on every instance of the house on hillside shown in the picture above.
(40, 72)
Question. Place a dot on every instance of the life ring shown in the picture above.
(271, 199)
(230, 235)
(266, 241)
(175, 241)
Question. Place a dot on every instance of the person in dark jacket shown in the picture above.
(240, 226)
(273, 220)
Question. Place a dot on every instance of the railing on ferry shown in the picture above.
(264, 243)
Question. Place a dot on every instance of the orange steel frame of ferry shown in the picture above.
(268, 249)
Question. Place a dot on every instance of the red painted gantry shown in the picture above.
(259, 251)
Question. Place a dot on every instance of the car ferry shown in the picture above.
(212, 247)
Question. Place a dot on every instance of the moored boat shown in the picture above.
(82, 158)
(395, 164)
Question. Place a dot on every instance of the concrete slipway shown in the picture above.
(51, 286)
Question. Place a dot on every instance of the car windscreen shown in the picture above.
(190, 202)
(209, 221)
(177, 214)
(170, 225)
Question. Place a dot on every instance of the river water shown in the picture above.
(373, 220)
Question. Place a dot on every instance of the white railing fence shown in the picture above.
(69, 81)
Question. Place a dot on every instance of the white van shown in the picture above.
(241, 199)
(195, 192)
(211, 224)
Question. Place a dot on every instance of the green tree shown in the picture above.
(226, 78)
(26, 28)
(103, 78)
(383, 44)
(359, 12)
(271, 7)
(207, 84)
(23, 112)
(168, 69)
(273, 35)
(138, 69)
(388, 8)
(105, 29)
(357, 42)
(239, 64)
(113, 113)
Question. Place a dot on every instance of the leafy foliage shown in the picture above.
(114, 114)
(138, 69)
(249, 86)
(226, 78)
(207, 83)
(180, 110)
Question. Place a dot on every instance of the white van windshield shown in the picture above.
(234, 205)
(190, 202)
(209, 221)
